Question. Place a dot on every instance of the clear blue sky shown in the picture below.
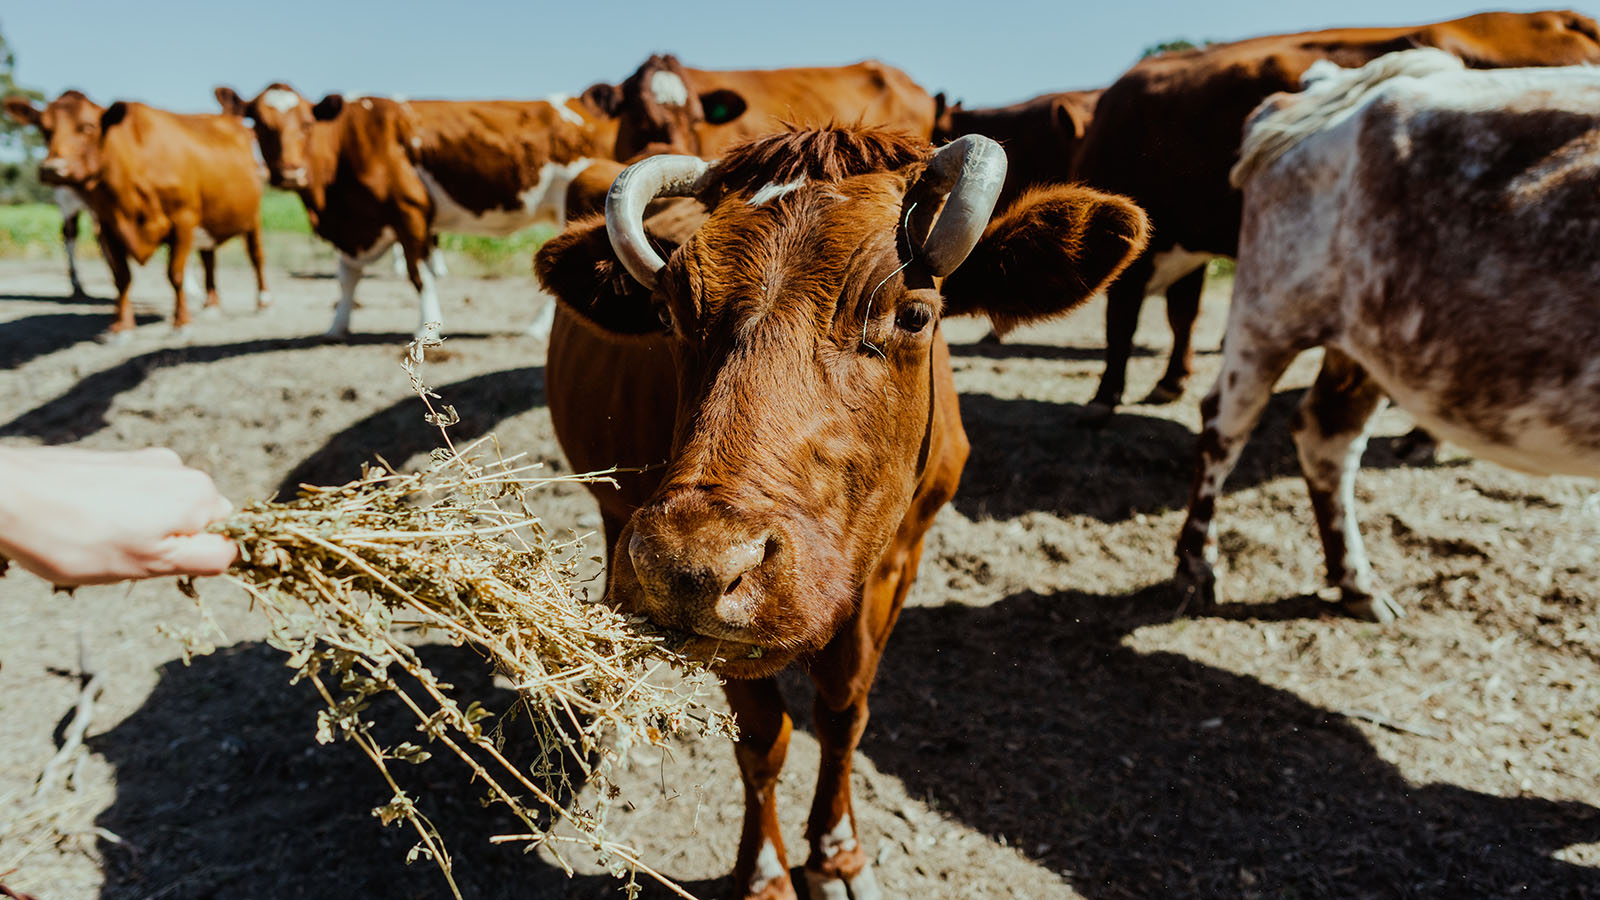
(171, 53)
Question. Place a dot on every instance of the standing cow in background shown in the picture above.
(785, 360)
(374, 172)
(1166, 133)
(154, 178)
(70, 201)
(1460, 211)
(666, 106)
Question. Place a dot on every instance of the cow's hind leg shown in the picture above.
(208, 262)
(252, 249)
(1331, 434)
(69, 238)
(1228, 414)
(762, 870)
(1183, 307)
(1124, 298)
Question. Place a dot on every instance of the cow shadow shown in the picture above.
(31, 337)
(392, 433)
(1034, 455)
(223, 790)
(62, 299)
(1153, 775)
(1022, 349)
(81, 410)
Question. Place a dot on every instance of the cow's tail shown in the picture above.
(1331, 95)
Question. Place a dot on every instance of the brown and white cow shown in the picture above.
(1166, 133)
(665, 106)
(70, 201)
(374, 172)
(777, 385)
(1437, 230)
(154, 178)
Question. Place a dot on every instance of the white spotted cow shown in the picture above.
(1436, 230)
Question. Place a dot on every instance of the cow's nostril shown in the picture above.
(733, 585)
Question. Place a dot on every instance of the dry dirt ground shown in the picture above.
(1041, 726)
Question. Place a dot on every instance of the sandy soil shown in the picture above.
(1041, 726)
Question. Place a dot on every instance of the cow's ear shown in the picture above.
(114, 113)
(232, 104)
(1054, 248)
(722, 106)
(328, 108)
(603, 98)
(1071, 119)
(22, 109)
(579, 267)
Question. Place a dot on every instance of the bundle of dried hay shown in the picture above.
(348, 575)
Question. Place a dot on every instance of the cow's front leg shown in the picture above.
(762, 870)
(1331, 434)
(837, 867)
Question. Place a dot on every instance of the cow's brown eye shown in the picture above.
(913, 317)
(665, 315)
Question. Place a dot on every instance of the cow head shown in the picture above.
(282, 120)
(803, 320)
(658, 108)
(71, 126)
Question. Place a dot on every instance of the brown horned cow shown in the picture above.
(780, 375)
(153, 178)
(374, 172)
(1041, 135)
(665, 106)
(1166, 133)
(1437, 230)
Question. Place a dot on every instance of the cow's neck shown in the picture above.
(322, 163)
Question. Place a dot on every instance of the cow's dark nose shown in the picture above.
(698, 576)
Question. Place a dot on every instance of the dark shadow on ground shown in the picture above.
(396, 433)
(81, 411)
(1020, 349)
(31, 337)
(1152, 775)
(223, 791)
(1032, 455)
(64, 299)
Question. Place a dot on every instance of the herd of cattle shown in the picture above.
(758, 303)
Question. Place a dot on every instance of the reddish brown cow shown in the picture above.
(374, 172)
(780, 376)
(1167, 132)
(1041, 136)
(667, 106)
(154, 178)
(69, 201)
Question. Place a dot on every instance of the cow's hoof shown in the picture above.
(864, 886)
(1379, 607)
(117, 338)
(992, 339)
(773, 889)
(1195, 584)
(1164, 393)
(336, 336)
(1097, 413)
(211, 312)
(264, 303)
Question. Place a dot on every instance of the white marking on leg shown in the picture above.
(399, 256)
(349, 277)
(772, 191)
(542, 323)
(842, 839)
(436, 263)
(280, 99)
(768, 867)
(428, 301)
(821, 887)
(669, 89)
(865, 884)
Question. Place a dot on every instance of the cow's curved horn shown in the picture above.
(637, 185)
(971, 170)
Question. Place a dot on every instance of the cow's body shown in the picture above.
(184, 182)
(1167, 132)
(1438, 231)
(783, 387)
(666, 106)
(375, 172)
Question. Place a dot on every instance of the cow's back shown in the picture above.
(868, 92)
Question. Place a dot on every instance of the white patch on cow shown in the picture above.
(280, 99)
(416, 143)
(669, 89)
(366, 103)
(842, 839)
(545, 201)
(772, 191)
(350, 269)
(768, 867)
(203, 240)
(1171, 265)
(431, 317)
(70, 202)
(559, 103)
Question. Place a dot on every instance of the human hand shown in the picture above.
(77, 516)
